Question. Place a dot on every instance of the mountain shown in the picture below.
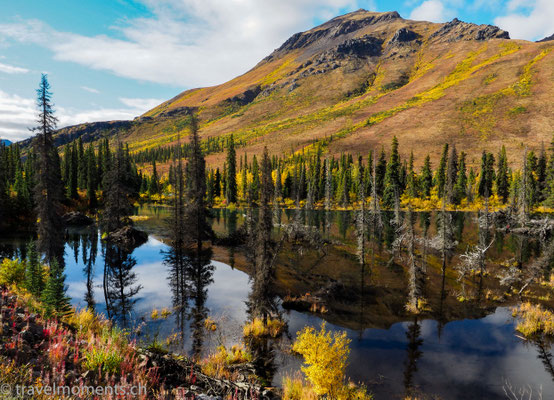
(546, 39)
(359, 79)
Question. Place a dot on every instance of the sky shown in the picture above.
(116, 59)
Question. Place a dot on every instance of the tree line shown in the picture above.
(315, 178)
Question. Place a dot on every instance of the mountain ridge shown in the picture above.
(362, 78)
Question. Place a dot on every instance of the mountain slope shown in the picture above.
(361, 78)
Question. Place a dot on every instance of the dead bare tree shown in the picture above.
(522, 393)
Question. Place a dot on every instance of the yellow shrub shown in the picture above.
(257, 328)
(534, 320)
(12, 272)
(325, 357)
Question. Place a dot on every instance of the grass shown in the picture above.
(218, 364)
(534, 320)
(256, 328)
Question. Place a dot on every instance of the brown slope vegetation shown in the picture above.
(362, 78)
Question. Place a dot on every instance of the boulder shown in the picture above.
(75, 218)
(128, 237)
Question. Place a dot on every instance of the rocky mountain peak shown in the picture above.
(546, 39)
(457, 30)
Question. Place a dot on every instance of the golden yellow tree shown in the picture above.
(325, 357)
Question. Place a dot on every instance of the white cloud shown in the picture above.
(530, 19)
(431, 10)
(141, 104)
(10, 69)
(90, 90)
(186, 42)
(17, 114)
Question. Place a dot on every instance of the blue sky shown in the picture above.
(115, 59)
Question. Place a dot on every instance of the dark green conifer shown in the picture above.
(54, 294)
(392, 189)
(231, 181)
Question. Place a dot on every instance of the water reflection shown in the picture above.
(120, 283)
(456, 350)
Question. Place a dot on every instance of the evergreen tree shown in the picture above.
(452, 175)
(54, 294)
(34, 279)
(72, 183)
(392, 189)
(380, 172)
(426, 177)
(196, 213)
(502, 183)
(117, 205)
(264, 271)
(48, 188)
(460, 188)
(486, 176)
(412, 186)
(440, 177)
(177, 222)
(531, 172)
(91, 178)
(154, 187)
(231, 183)
(4, 199)
(255, 186)
(541, 174)
(81, 165)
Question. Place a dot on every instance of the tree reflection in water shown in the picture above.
(120, 288)
(413, 354)
(89, 252)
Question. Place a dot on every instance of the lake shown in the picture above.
(463, 345)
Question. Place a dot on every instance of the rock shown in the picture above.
(75, 218)
(35, 329)
(27, 336)
(178, 111)
(457, 30)
(366, 46)
(128, 237)
(246, 97)
(403, 35)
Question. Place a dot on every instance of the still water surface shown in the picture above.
(469, 354)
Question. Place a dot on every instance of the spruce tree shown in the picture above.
(502, 183)
(452, 174)
(440, 177)
(81, 165)
(412, 184)
(48, 188)
(426, 177)
(541, 174)
(72, 183)
(231, 182)
(392, 189)
(117, 205)
(4, 210)
(34, 279)
(54, 294)
(196, 213)
(460, 188)
(154, 187)
(92, 178)
(380, 172)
